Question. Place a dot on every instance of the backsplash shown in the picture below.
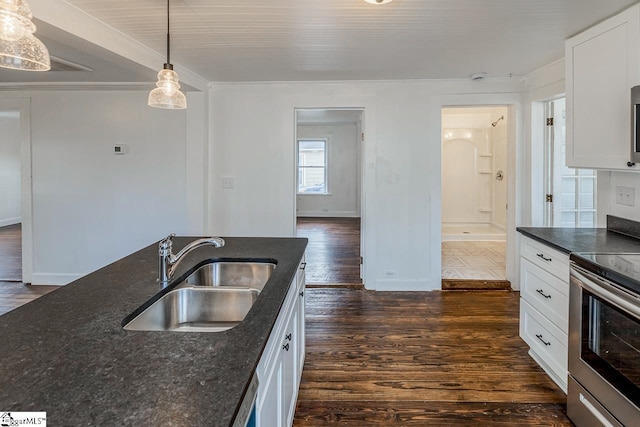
(623, 226)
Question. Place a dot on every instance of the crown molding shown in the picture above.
(52, 86)
(69, 18)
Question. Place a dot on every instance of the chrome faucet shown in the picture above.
(169, 262)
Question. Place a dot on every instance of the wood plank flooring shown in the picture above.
(11, 253)
(421, 359)
(13, 295)
(333, 253)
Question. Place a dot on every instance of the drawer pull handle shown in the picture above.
(288, 337)
(303, 266)
(541, 292)
(543, 341)
(544, 257)
(285, 347)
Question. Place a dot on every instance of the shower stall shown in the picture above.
(474, 170)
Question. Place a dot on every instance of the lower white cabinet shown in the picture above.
(280, 368)
(544, 307)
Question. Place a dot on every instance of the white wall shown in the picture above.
(343, 168)
(401, 156)
(607, 183)
(91, 207)
(10, 199)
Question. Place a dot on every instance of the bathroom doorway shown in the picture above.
(474, 193)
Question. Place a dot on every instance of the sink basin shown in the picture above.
(252, 275)
(201, 309)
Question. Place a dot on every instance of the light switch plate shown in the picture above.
(625, 196)
(228, 182)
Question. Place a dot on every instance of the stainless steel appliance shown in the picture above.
(604, 340)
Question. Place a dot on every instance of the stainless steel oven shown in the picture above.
(604, 340)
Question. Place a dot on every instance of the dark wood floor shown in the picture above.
(444, 358)
(11, 253)
(13, 295)
(333, 253)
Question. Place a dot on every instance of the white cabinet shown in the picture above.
(544, 307)
(602, 65)
(280, 368)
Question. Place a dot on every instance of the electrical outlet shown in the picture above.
(228, 182)
(625, 196)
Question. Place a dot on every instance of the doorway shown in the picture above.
(328, 147)
(10, 197)
(474, 193)
(570, 194)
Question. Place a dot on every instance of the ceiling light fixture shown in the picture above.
(378, 1)
(167, 95)
(19, 48)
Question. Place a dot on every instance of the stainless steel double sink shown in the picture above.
(215, 297)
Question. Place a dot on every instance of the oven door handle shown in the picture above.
(607, 291)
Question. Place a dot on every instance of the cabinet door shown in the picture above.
(300, 346)
(602, 65)
(269, 403)
(289, 369)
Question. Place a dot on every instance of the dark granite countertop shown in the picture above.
(67, 353)
(582, 239)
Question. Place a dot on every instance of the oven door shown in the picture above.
(604, 343)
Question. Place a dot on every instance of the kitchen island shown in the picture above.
(68, 354)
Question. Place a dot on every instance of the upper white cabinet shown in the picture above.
(602, 65)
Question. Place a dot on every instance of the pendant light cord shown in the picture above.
(168, 36)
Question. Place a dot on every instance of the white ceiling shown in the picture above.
(301, 40)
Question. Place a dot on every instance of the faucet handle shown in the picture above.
(166, 244)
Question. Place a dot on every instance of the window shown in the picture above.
(312, 166)
(573, 191)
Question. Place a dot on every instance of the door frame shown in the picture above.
(515, 153)
(23, 106)
(360, 186)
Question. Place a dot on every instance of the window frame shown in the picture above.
(325, 141)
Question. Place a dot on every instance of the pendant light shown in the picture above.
(19, 48)
(378, 1)
(167, 95)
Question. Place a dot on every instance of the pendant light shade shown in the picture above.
(19, 48)
(378, 1)
(167, 94)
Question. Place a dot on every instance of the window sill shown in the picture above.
(314, 194)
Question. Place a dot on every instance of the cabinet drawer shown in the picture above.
(546, 293)
(551, 260)
(278, 331)
(546, 340)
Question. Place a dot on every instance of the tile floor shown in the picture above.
(474, 260)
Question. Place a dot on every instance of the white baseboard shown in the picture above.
(10, 221)
(53, 278)
(404, 285)
(338, 214)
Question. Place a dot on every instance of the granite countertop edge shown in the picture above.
(568, 240)
(67, 353)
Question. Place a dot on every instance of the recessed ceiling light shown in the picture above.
(378, 1)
